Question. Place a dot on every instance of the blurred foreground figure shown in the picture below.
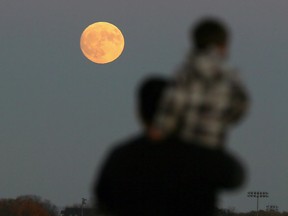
(206, 98)
(150, 176)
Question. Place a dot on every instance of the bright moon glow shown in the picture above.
(102, 42)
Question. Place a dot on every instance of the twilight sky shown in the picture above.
(61, 113)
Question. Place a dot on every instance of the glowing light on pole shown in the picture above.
(272, 208)
(83, 203)
(257, 195)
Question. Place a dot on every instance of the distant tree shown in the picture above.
(51, 208)
(27, 206)
(226, 212)
(6, 207)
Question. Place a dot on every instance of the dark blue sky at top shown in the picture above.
(60, 113)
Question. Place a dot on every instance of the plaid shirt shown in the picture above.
(204, 100)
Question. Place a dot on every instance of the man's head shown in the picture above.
(148, 98)
(210, 33)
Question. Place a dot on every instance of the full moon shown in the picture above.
(102, 42)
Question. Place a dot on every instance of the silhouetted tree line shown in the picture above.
(27, 206)
(77, 211)
(88, 211)
(227, 212)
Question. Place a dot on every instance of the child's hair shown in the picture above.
(209, 32)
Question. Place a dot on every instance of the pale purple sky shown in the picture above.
(60, 113)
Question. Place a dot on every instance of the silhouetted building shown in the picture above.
(77, 211)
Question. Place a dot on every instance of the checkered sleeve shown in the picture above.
(239, 103)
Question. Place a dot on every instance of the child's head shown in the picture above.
(210, 33)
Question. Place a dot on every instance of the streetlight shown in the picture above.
(272, 208)
(82, 205)
(256, 194)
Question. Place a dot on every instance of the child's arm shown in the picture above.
(239, 103)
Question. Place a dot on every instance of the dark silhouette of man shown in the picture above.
(206, 98)
(150, 176)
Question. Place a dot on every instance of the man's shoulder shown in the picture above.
(204, 151)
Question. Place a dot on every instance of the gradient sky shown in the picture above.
(61, 113)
